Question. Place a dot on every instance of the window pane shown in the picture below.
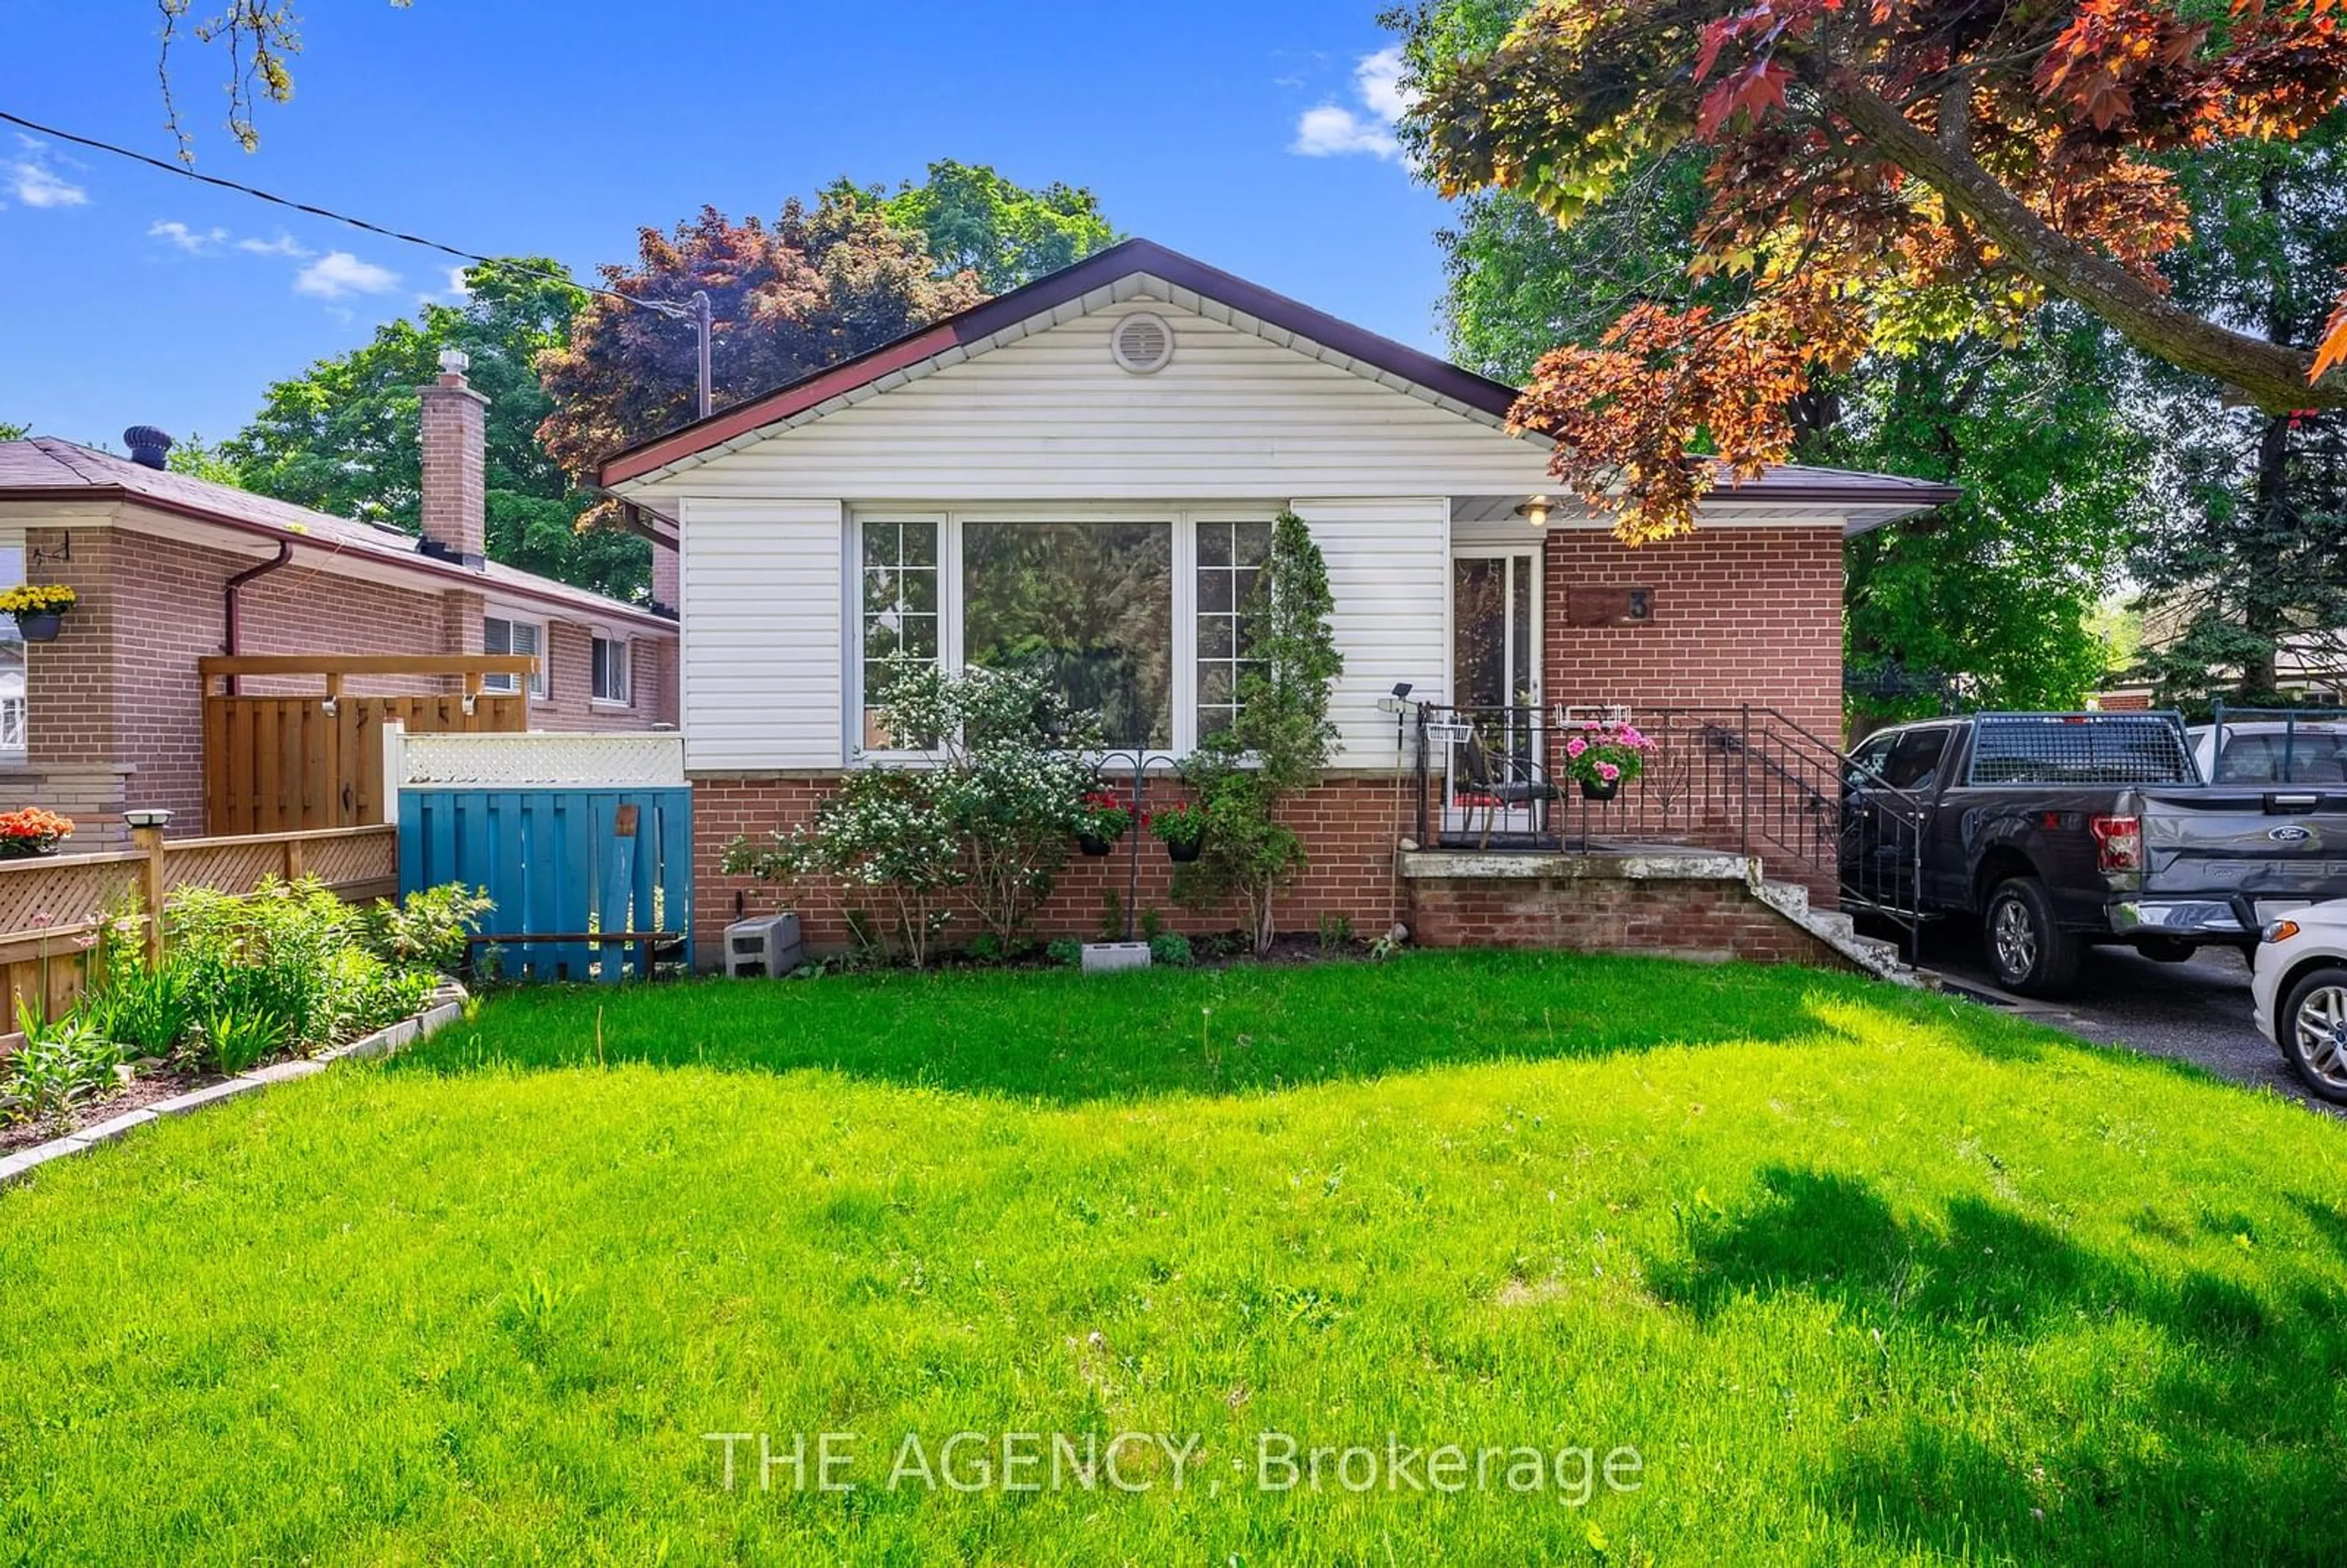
(1252, 545)
(1087, 607)
(1214, 544)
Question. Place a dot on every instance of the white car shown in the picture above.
(2301, 987)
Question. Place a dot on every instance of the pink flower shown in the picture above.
(1576, 746)
(1608, 772)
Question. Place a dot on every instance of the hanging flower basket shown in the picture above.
(1183, 830)
(31, 831)
(1603, 757)
(37, 608)
(1100, 820)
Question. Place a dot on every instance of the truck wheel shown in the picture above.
(2027, 951)
(2313, 1032)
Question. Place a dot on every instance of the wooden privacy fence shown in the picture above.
(276, 763)
(51, 906)
(586, 882)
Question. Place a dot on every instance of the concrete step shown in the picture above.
(1836, 930)
(1790, 896)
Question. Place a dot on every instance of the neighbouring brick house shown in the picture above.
(170, 567)
(1088, 465)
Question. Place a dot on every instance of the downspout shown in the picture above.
(229, 600)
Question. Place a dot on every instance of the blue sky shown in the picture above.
(1252, 136)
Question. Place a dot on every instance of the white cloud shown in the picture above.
(1330, 131)
(338, 273)
(1379, 79)
(283, 245)
(1333, 130)
(194, 241)
(33, 182)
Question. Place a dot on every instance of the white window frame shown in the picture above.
(16, 729)
(625, 652)
(508, 685)
(1183, 519)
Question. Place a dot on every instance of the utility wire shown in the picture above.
(673, 311)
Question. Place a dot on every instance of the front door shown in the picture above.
(1496, 780)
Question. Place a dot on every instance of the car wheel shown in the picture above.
(2313, 1032)
(2027, 951)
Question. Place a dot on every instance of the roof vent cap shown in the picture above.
(1141, 343)
(150, 447)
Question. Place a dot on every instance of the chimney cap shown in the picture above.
(149, 446)
(455, 362)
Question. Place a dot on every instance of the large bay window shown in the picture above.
(1132, 618)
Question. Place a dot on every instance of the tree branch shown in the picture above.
(2275, 377)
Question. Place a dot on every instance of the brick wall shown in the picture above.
(570, 702)
(1708, 921)
(1349, 825)
(1740, 615)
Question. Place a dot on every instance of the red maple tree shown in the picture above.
(1882, 172)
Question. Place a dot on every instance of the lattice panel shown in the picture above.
(612, 761)
(44, 892)
(229, 864)
(342, 862)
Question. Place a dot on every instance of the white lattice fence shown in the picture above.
(612, 761)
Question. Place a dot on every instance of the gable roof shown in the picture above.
(1064, 293)
(45, 468)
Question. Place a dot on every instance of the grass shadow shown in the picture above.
(2220, 1457)
(1060, 1037)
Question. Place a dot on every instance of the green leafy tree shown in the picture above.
(200, 459)
(2250, 556)
(14, 432)
(1280, 742)
(343, 437)
(972, 219)
(1989, 601)
(816, 286)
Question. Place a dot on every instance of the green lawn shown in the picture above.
(1861, 1275)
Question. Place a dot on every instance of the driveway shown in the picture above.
(2196, 1012)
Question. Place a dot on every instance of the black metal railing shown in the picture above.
(1746, 779)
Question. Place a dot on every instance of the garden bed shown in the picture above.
(287, 972)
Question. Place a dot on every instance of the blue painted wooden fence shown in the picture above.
(559, 862)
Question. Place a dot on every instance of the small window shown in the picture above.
(611, 669)
(899, 614)
(1230, 559)
(500, 635)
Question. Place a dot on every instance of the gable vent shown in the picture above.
(1142, 343)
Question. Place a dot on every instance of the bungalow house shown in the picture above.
(1087, 465)
(169, 567)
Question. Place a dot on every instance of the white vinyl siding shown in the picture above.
(1052, 418)
(1390, 571)
(762, 648)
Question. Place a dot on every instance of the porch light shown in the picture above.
(153, 816)
(1536, 511)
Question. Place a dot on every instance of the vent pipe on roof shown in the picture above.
(150, 447)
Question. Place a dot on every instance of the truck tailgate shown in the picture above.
(2279, 846)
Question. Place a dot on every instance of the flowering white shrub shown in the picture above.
(984, 822)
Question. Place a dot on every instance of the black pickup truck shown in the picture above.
(2059, 830)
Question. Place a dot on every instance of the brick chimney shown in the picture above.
(455, 509)
(667, 581)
